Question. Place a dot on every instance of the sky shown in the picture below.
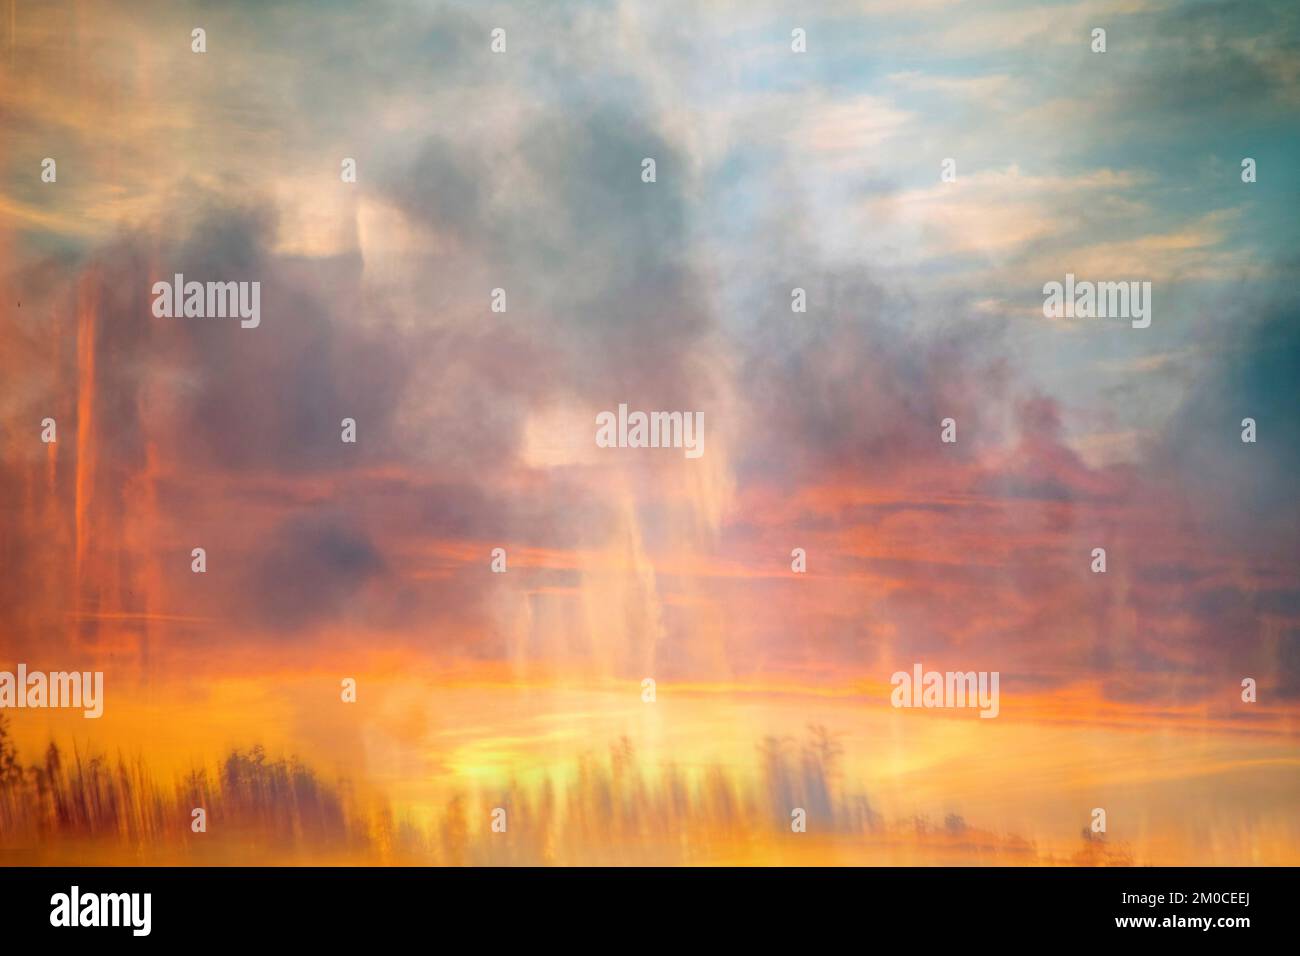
(522, 170)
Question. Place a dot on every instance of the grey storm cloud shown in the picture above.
(597, 259)
(1245, 492)
(309, 571)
